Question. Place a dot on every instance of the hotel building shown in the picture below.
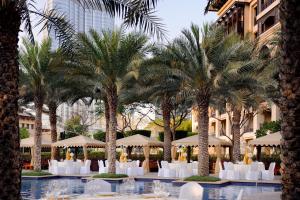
(258, 19)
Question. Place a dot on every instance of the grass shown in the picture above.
(202, 178)
(36, 173)
(109, 175)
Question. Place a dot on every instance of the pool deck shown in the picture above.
(153, 175)
(264, 196)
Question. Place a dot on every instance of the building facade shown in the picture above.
(258, 19)
(83, 20)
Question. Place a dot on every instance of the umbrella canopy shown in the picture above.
(193, 141)
(139, 141)
(79, 141)
(272, 139)
(29, 142)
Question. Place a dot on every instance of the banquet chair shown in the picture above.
(231, 174)
(222, 173)
(269, 174)
(253, 173)
(184, 172)
(70, 168)
(50, 167)
(140, 170)
(195, 167)
(240, 195)
(86, 168)
(119, 169)
(132, 169)
(191, 191)
(102, 169)
(97, 185)
(160, 170)
(167, 171)
(57, 169)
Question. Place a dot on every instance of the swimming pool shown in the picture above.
(37, 188)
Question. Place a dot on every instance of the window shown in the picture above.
(255, 15)
(27, 126)
(32, 126)
(22, 125)
(268, 23)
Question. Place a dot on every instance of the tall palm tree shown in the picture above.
(108, 59)
(290, 97)
(12, 15)
(35, 61)
(201, 64)
(157, 86)
(240, 88)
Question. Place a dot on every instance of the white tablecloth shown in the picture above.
(243, 168)
(75, 165)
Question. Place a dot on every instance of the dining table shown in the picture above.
(243, 168)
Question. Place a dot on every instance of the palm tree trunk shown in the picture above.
(106, 113)
(290, 101)
(202, 118)
(112, 103)
(166, 109)
(38, 133)
(10, 168)
(53, 124)
(236, 118)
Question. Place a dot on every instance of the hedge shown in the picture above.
(146, 133)
(178, 135)
(100, 135)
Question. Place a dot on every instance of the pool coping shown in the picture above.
(172, 180)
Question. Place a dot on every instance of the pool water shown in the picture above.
(37, 188)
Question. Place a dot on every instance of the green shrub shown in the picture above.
(109, 175)
(178, 135)
(186, 125)
(272, 126)
(99, 135)
(24, 133)
(36, 173)
(202, 178)
(146, 133)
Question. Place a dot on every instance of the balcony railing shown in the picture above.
(266, 4)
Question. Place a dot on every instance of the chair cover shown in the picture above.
(191, 191)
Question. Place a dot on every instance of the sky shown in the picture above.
(175, 14)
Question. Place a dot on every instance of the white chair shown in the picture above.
(222, 173)
(191, 191)
(269, 174)
(160, 170)
(97, 185)
(86, 168)
(140, 170)
(253, 173)
(50, 167)
(57, 170)
(132, 169)
(106, 163)
(195, 167)
(231, 174)
(102, 169)
(167, 172)
(70, 168)
(240, 195)
(184, 172)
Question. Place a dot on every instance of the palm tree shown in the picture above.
(12, 15)
(35, 61)
(157, 86)
(289, 82)
(240, 89)
(201, 65)
(108, 60)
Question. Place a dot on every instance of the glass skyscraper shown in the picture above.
(83, 20)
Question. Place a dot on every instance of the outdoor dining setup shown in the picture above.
(69, 165)
(182, 167)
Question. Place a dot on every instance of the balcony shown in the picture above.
(216, 5)
(266, 4)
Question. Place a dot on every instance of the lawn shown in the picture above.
(202, 178)
(36, 173)
(109, 175)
